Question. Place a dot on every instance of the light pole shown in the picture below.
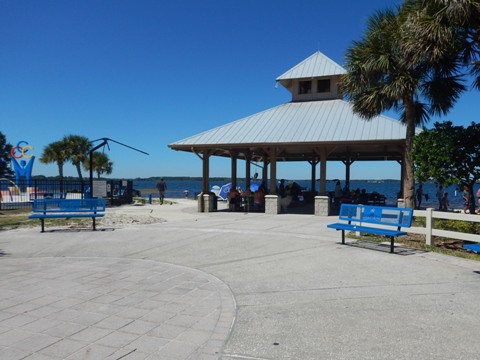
(103, 143)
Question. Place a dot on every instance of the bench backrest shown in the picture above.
(68, 205)
(400, 217)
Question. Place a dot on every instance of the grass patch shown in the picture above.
(416, 241)
(14, 219)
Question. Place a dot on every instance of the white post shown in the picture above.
(429, 240)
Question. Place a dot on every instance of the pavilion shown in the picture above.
(317, 126)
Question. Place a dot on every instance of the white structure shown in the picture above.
(317, 126)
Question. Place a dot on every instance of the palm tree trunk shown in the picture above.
(60, 173)
(409, 180)
(79, 170)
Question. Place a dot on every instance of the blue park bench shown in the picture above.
(472, 247)
(67, 208)
(390, 219)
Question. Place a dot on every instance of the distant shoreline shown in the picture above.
(199, 178)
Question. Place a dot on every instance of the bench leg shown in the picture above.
(392, 239)
(343, 237)
(93, 224)
(43, 225)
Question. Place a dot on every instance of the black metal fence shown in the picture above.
(22, 194)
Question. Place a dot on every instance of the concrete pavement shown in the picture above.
(229, 286)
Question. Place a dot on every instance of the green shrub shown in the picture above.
(458, 226)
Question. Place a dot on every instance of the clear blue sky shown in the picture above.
(149, 73)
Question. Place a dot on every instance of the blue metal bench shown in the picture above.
(472, 247)
(378, 215)
(67, 208)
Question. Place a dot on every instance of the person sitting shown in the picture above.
(258, 200)
(233, 197)
(356, 196)
(363, 197)
(246, 199)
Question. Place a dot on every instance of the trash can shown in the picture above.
(214, 201)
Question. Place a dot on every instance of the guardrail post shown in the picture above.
(429, 240)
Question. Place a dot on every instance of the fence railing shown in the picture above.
(430, 231)
(21, 194)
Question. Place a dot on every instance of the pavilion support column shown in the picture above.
(322, 153)
(248, 159)
(234, 156)
(272, 203)
(206, 199)
(348, 162)
(265, 171)
(313, 187)
(273, 177)
(322, 200)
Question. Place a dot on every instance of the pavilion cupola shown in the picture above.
(315, 78)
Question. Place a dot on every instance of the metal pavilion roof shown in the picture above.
(302, 130)
(300, 122)
(316, 65)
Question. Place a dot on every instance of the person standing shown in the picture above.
(478, 200)
(419, 195)
(338, 194)
(439, 195)
(161, 187)
(466, 197)
(281, 189)
(445, 202)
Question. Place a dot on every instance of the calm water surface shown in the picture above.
(389, 188)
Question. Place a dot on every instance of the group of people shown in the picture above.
(468, 200)
(357, 197)
(442, 197)
(238, 198)
(293, 189)
(444, 200)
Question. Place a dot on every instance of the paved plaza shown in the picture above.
(167, 282)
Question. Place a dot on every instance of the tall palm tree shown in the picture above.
(77, 147)
(101, 164)
(381, 76)
(55, 153)
(438, 28)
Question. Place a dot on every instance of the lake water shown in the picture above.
(389, 188)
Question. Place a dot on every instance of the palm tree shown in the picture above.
(439, 28)
(55, 153)
(101, 164)
(77, 147)
(381, 76)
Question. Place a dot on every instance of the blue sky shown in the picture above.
(149, 73)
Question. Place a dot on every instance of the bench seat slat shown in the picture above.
(63, 215)
(366, 229)
(63, 210)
